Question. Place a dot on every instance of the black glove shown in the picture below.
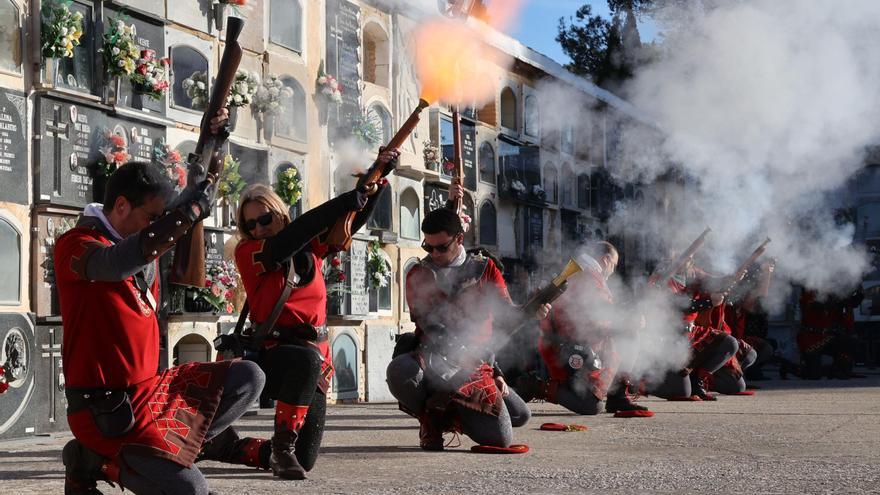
(197, 202)
(390, 166)
(356, 199)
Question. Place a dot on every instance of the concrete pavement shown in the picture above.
(791, 437)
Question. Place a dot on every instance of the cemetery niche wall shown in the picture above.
(79, 146)
(13, 147)
(49, 402)
(18, 355)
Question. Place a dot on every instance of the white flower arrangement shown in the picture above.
(196, 87)
(60, 30)
(267, 99)
(120, 51)
(518, 186)
(330, 88)
(466, 219)
(431, 154)
(538, 191)
(244, 87)
(380, 275)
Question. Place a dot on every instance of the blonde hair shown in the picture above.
(264, 195)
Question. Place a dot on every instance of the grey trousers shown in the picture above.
(727, 383)
(150, 475)
(406, 381)
(676, 385)
(578, 398)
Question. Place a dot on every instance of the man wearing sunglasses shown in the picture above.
(450, 381)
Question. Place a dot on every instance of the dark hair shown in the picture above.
(442, 220)
(137, 182)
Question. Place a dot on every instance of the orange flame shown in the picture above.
(454, 60)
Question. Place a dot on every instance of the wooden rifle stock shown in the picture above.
(339, 236)
(659, 278)
(188, 267)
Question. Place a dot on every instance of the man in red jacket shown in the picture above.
(710, 348)
(576, 344)
(450, 381)
(134, 425)
(827, 328)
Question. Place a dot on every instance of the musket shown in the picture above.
(553, 290)
(188, 267)
(545, 295)
(452, 351)
(744, 267)
(659, 278)
(339, 236)
(456, 155)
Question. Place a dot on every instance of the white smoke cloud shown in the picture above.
(761, 111)
(349, 158)
(770, 106)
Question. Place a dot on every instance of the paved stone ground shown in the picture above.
(792, 437)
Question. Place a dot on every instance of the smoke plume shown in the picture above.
(752, 120)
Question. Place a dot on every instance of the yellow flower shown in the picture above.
(69, 46)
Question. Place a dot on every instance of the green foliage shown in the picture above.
(367, 130)
(608, 51)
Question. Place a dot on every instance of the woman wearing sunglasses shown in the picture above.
(297, 360)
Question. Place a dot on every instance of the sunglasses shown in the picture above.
(440, 249)
(264, 220)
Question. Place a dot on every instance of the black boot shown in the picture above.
(431, 431)
(82, 469)
(787, 367)
(283, 460)
(289, 420)
(812, 366)
(228, 447)
(529, 387)
(700, 384)
(619, 400)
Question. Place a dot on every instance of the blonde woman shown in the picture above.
(297, 362)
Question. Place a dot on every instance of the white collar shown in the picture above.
(97, 210)
(586, 261)
(460, 259)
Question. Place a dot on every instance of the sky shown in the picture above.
(539, 19)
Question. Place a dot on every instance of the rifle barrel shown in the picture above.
(456, 153)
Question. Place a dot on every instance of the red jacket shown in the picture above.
(111, 334)
(468, 311)
(306, 304)
(111, 341)
(567, 324)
